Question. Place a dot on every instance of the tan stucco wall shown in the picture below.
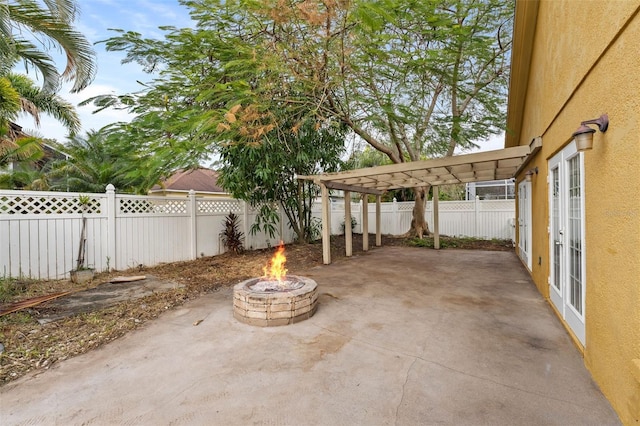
(578, 72)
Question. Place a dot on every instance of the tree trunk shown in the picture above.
(419, 225)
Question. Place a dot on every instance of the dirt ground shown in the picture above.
(25, 345)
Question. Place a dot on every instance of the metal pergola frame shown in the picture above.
(482, 166)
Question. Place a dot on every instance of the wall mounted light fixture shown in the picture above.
(529, 174)
(584, 134)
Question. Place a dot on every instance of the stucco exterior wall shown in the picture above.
(585, 62)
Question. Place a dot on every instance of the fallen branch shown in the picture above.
(28, 303)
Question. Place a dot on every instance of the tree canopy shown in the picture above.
(411, 78)
(29, 29)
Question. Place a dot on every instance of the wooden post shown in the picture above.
(365, 222)
(436, 221)
(326, 225)
(348, 238)
(378, 224)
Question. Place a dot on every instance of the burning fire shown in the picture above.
(275, 270)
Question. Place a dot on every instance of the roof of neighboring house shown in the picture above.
(200, 180)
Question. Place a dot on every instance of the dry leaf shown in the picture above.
(230, 117)
(222, 127)
(197, 322)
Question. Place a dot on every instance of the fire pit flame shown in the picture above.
(275, 270)
(275, 299)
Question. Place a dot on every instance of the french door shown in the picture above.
(524, 222)
(567, 248)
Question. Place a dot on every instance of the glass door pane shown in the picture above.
(556, 229)
(575, 234)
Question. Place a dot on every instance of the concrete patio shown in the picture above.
(401, 336)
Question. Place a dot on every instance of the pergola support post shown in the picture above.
(326, 225)
(348, 240)
(378, 224)
(436, 219)
(365, 222)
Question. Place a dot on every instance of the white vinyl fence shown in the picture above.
(40, 232)
(485, 219)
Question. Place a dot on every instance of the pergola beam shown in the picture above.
(345, 187)
(479, 157)
(482, 166)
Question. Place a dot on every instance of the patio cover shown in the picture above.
(482, 166)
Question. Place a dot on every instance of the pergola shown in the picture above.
(482, 166)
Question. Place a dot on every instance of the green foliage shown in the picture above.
(353, 225)
(35, 101)
(428, 243)
(458, 242)
(265, 174)
(29, 25)
(266, 220)
(232, 237)
(16, 146)
(314, 231)
(11, 287)
(100, 158)
(9, 102)
(409, 78)
(452, 192)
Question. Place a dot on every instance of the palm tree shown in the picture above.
(96, 160)
(50, 22)
(22, 21)
(19, 94)
(34, 101)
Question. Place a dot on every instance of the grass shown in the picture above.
(12, 287)
(459, 242)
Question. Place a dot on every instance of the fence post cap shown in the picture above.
(192, 192)
(110, 188)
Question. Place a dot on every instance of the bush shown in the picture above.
(232, 237)
(353, 225)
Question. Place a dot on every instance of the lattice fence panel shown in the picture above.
(405, 207)
(459, 206)
(219, 206)
(154, 206)
(48, 204)
(494, 205)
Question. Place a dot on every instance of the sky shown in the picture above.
(142, 16)
(95, 19)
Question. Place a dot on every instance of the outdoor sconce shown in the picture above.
(530, 173)
(584, 134)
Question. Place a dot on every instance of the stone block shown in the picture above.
(281, 307)
(278, 322)
(280, 314)
(256, 314)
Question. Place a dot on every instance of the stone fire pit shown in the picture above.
(265, 303)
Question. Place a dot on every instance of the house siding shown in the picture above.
(584, 63)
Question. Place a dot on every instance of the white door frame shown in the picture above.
(524, 222)
(567, 248)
